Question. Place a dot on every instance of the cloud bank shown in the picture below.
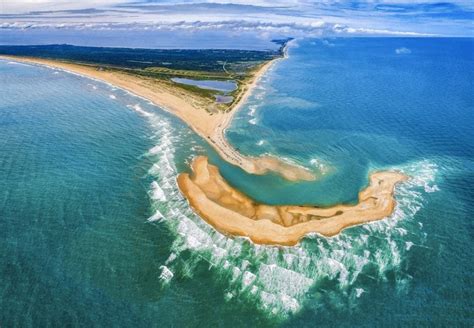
(263, 18)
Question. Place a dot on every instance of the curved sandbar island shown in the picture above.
(197, 112)
(233, 213)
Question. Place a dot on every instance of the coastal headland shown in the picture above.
(233, 213)
(201, 114)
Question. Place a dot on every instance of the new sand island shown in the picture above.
(153, 74)
(233, 213)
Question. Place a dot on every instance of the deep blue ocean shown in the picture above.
(93, 231)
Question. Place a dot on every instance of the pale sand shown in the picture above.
(192, 109)
(231, 212)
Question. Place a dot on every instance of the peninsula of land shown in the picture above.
(201, 114)
(233, 213)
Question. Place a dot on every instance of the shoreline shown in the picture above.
(191, 109)
(233, 213)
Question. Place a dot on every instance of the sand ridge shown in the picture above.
(233, 213)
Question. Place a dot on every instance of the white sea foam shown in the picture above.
(248, 278)
(359, 292)
(156, 217)
(320, 165)
(17, 63)
(274, 278)
(137, 108)
(157, 193)
(170, 258)
(253, 121)
(408, 245)
(252, 110)
(431, 188)
(155, 150)
(166, 275)
(112, 97)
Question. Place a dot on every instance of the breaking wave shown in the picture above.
(137, 108)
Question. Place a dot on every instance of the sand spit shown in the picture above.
(233, 213)
(192, 109)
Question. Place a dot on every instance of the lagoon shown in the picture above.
(223, 86)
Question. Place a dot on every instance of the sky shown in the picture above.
(224, 24)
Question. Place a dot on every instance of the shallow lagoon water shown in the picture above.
(95, 232)
(224, 86)
(224, 99)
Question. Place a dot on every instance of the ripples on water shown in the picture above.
(410, 254)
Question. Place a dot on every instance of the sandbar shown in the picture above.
(233, 213)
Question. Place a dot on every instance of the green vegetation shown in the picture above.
(163, 65)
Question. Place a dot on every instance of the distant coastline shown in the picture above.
(191, 110)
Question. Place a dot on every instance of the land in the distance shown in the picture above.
(137, 71)
(233, 213)
(161, 64)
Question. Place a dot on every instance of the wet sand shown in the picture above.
(233, 213)
(195, 111)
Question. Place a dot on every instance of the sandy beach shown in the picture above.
(233, 213)
(190, 108)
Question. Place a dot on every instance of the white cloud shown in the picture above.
(361, 30)
(264, 29)
(26, 6)
(263, 16)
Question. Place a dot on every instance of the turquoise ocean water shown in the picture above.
(93, 231)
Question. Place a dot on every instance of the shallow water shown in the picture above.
(94, 231)
(224, 99)
(224, 86)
